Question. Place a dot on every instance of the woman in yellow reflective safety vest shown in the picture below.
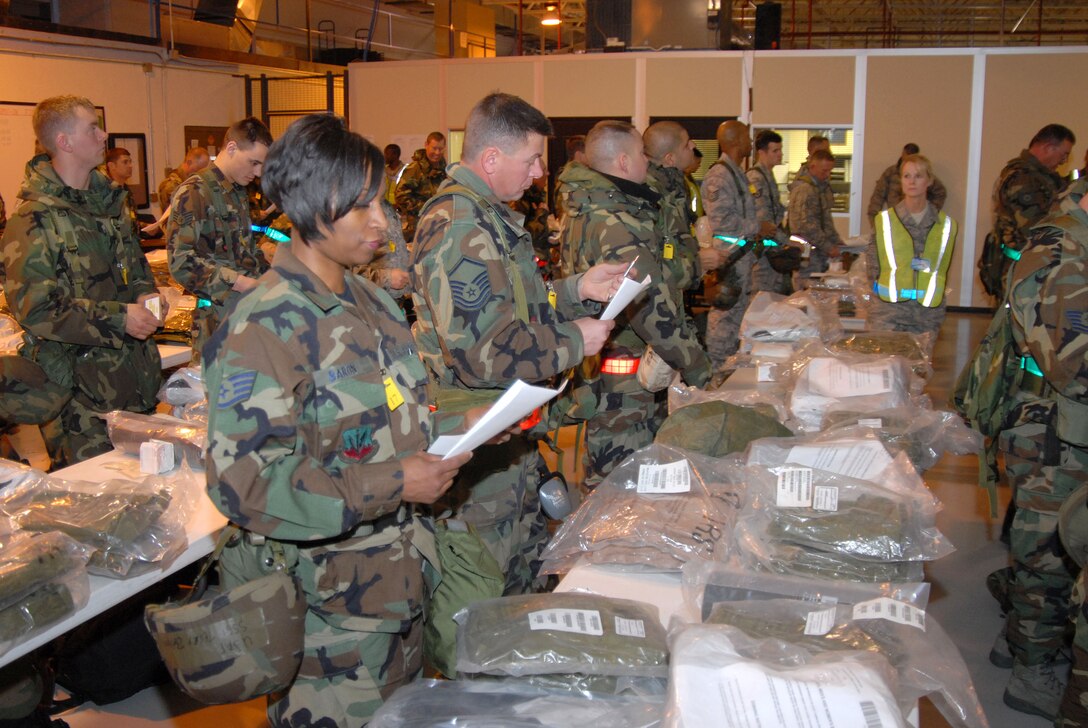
(912, 251)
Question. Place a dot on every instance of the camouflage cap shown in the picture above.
(233, 646)
(1073, 525)
(719, 428)
(27, 396)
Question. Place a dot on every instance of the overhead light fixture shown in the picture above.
(551, 16)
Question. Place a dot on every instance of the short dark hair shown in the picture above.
(816, 141)
(607, 140)
(317, 172)
(911, 148)
(394, 148)
(247, 132)
(821, 155)
(116, 153)
(767, 137)
(1053, 134)
(436, 136)
(575, 143)
(504, 121)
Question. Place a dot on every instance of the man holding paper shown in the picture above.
(613, 216)
(486, 319)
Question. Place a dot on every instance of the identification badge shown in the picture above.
(552, 297)
(393, 397)
(668, 251)
(752, 189)
(392, 247)
(919, 264)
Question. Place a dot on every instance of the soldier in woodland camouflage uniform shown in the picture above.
(213, 251)
(389, 268)
(419, 181)
(485, 319)
(888, 191)
(1046, 443)
(1026, 189)
(769, 208)
(613, 217)
(737, 230)
(810, 213)
(196, 159)
(3, 217)
(77, 282)
(318, 420)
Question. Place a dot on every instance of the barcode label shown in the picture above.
(579, 621)
(794, 487)
(825, 498)
(630, 627)
(871, 422)
(820, 622)
(871, 714)
(887, 375)
(890, 609)
(664, 478)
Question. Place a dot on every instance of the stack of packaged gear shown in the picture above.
(130, 432)
(184, 391)
(179, 306)
(764, 649)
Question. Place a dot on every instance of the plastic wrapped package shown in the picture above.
(587, 685)
(180, 308)
(184, 391)
(771, 317)
(561, 633)
(659, 508)
(925, 659)
(42, 580)
(778, 557)
(862, 456)
(12, 474)
(11, 335)
(854, 383)
(923, 434)
(717, 428)
(472, 704)
(128, 430)
(130, 526)
(773, 394)
(719, 676)
(914, 348)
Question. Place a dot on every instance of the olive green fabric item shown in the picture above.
(885, 343)
(717, 428)
(871, 527)
(42, 607)
(1073, 525)
(783, 558)
(27, 396)
(761, 619)
(469, 574)
(496, 637)
(31, 566)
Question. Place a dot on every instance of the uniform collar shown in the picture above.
(289, 267)
(218, 176)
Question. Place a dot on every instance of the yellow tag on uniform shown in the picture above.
(392, 247)
(668, 251)
(393, 397)
(551, 298)
(752, 188)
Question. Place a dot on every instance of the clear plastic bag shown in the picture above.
(771, 317)
(719, 676)
(11, 335)
(923, 434)
(130, 526)
(128, 430)
(184, 391)
(473, 704)
(826, 384)
(914, 348)
(561, 633)
(771, 393)
(659, 508)
(925, 659)
(42, 580)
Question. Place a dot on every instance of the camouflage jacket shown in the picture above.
(304, 445)
(729, 205)
(3, 217)
(810, 213)
(167, 188)
(395, 256)
(769, 207)
(889, 191)
(209, 238)
(1048, 299)
(1023, 194)
(679, 249)
(418, 183)
(468, 329)
(610, 224)
(73, 264)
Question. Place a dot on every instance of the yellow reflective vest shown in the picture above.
(902, 275)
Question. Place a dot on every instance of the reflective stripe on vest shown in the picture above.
(897, 281)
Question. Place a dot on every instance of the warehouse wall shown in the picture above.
(970, 110)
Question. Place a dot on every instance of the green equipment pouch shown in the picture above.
(992, 266)
(469, 574)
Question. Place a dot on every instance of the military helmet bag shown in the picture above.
(236, 645)
(654, 373)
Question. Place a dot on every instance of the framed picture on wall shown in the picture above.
(136, 144)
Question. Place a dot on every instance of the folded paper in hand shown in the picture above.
(627, 292)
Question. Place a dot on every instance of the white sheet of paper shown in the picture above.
(864, 460)
(513, 406)
(629, 290)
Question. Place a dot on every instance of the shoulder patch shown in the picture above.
(236, 388)
(469, 284)
(1078, 321)
(357, 444)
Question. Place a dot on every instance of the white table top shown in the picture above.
(662, 589)
(202, 531)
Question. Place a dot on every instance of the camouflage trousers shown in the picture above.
(1073, 712)
(627, 419)
(1042, 471)
(78, 434)
(908, 316)
(346, 675)
(766, 278)
(723, 322)
(497, 493)
(817, 263)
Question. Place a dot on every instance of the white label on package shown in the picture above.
(820, 622)
(825, 498)
(749, 695)
(579, 621)
(630, 627)
(794, 487)
(765, 373)
(871, 422)
(834, 378)
(664, 478)
(890, 609)
(863, 460)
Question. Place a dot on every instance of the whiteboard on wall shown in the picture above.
(16, 148)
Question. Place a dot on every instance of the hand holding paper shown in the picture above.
(629, 291)
(601, 282)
